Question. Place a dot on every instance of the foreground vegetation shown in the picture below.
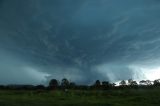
(118, 97)
(65, 93)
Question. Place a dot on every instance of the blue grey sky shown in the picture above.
(82, 40)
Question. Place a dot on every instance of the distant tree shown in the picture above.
(123, 83)
(130, 81)
(113, 84)
(133, 83)
(156, 82)
(148, 82)
(145, 82)
(72, 85)
(142, 82)
(97, 83)
(40, 87)
(106, 85)
(53, 84)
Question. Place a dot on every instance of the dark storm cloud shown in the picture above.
(16, 71)
(82, 40)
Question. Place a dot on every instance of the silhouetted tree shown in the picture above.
(72, 85)
(143, 82)
(40, 87)
(123, 83)
(97, 83)
(53, 84)
(156, 82)
(133, 83)
(106, 85)
(113, 84)
(65, 83)
(130, 81)
(148, 82)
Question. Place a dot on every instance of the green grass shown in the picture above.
(126, 97)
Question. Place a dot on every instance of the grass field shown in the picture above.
(125, 97)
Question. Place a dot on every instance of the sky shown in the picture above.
(81, 40)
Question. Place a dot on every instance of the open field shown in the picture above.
(124, 97)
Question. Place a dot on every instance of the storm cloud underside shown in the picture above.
(82, 40)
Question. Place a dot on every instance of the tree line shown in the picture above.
(65, 84)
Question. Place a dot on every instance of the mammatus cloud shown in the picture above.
(81, 40)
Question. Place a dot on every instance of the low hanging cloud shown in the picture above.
(17, 71)
(81, 40)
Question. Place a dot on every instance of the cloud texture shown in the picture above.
(82, 40)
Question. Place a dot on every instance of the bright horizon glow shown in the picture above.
(152, 74)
